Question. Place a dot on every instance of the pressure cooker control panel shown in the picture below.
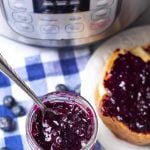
(60, 19)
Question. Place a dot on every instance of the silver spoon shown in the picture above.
(6, 68)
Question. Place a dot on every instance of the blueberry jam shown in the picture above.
(147, 49)
(71, 129)
(128, 88)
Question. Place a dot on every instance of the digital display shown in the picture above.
(60, 6)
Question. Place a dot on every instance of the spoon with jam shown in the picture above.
(7, 69)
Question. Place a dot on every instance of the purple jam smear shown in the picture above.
(147, 49)
(71, 129)
(128, 98)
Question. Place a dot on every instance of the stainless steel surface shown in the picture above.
(144, 19)
(5, 67)
(129, 12)
(65, 26)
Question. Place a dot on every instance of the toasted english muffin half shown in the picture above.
(116, 106)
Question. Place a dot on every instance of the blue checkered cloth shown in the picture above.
(42, 69)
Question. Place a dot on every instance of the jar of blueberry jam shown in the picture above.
(73, 128)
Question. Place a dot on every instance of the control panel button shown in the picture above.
(24, 27)
(22, 17)
(104, 2)
(104, 12)
(17, 4)
(102, 23)
(48, 18)
(73, 28)
(49, 29)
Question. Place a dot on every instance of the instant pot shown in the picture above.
(57, 23)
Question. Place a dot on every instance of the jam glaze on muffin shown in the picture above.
(123, 99)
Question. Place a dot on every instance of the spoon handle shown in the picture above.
(6, 68)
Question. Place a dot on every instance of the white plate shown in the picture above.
(93, 75)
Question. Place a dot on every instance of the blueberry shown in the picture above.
(8, 101)
(4, 148)
(7, 124)
(18, 110)
(61, 87)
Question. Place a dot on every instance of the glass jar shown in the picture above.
(67, 98)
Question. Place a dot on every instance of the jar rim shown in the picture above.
(61, 96)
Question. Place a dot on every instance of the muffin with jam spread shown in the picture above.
(123, 99)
